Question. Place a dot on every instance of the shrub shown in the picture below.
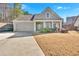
(52, 30)
(44, 30)
(47, 30)
(64, 30)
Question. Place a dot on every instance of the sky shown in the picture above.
(62, 9)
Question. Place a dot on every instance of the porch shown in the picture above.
(40, 24)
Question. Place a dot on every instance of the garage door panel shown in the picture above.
(24, 26)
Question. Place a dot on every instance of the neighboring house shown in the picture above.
(76, 24)
(72, 23)
(46, 19)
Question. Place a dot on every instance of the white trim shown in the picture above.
(45, 20)
(44, 25)
(60, 25)
(21, 21)
(34, 26)
(14, 26)
(34, 20)
(52, 25)
(49, 15)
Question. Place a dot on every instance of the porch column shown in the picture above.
(60, 25)
(52, 24)
(44, 25)
(34, 26)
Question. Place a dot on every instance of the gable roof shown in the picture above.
(48, 9)
(71, 20)
(76, 23)
(41, 16)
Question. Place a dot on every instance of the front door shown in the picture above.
(39, 26)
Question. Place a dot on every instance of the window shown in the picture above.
(48, 15)
(49, 24)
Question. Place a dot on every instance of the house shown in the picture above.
(72, 23)
(46, 19)
(76, 24)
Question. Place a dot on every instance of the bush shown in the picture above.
(44, 30)
(53, 30)
(47, 30)
(64, 30)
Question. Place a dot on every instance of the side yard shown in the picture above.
(56, 44)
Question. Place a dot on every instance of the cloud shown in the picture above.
(60, 7)
(25, 7)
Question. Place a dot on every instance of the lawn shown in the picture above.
(59, 44)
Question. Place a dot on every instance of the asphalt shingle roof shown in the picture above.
(41, 16)
(25, 17)
(71, 20)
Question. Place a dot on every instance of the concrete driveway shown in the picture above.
(22, 34)
(20, 46)
(6, 35)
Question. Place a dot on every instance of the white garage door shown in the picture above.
(23, 26)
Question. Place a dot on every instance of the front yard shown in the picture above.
(56, 44)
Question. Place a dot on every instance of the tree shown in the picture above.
(16, 10)
(25, 12)
(17, 7)
(3, 8)
(0, 15)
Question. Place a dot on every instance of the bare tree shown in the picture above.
(4, 11)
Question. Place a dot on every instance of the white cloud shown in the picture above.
(25, 7)
(60, 7)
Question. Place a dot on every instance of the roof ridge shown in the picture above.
(76, 19)
(32, 17)
(51, 11)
